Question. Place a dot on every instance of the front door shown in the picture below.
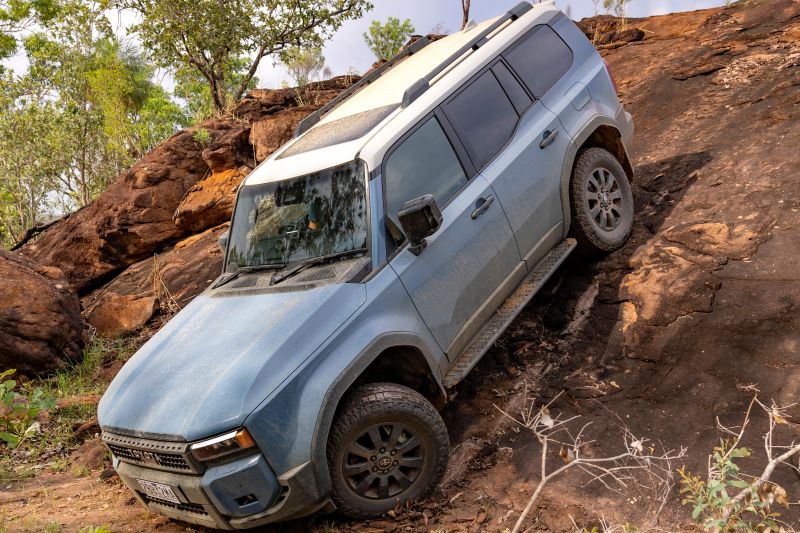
(474, 250)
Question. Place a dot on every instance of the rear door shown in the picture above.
(519, 148)
(474, 250)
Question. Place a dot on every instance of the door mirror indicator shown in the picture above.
(420, 218)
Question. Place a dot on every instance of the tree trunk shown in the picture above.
(465, 13)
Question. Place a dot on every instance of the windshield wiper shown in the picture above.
(278, 277)
(247, 270)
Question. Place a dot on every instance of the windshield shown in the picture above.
(296, 219)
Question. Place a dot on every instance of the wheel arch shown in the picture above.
(396, 357)
(599, 132)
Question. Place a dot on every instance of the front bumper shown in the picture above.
(237, 494)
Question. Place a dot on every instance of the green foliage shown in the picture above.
(303, 65)
(18, 411)
(194, 89)
(19, 15)
(96, 529)
(713, 500)
(202, 136)
(386, 40)
(86, 110)
(211, 36)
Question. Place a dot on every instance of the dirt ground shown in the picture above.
(666, 336)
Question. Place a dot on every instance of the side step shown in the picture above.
(507, 312)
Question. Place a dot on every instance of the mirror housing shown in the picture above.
(419, 218)
(222, 242)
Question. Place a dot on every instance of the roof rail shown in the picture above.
(315, 117)
(423, 84)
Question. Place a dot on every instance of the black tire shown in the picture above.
(415, 447)
(601, 202)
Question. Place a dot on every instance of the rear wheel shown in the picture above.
(388, 445)
(601, 201)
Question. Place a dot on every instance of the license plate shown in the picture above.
(158, 490)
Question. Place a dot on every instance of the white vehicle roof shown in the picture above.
(374, 112)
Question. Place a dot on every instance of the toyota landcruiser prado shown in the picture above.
(370, 263)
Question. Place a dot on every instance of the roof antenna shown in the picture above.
(470, 24)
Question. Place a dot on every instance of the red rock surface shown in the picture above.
(40, 318)
(115, 314)
(210, 202)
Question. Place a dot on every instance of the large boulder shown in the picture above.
(40, 319)
(172, 279)
(210, 202)
(270, 133)
(129, 220)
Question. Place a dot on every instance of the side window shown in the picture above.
(424, 163)
(540, 58)
(514, 90)
(484, 117)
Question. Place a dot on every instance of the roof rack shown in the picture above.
(315, 117)
(423, 84)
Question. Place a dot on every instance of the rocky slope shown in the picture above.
(669, 334)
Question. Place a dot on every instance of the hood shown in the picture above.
(215, 361)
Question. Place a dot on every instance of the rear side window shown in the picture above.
(540, 59)
(484, 117)
(424, 163)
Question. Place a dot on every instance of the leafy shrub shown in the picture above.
(95, 529)
(202, 136)
(18, 410)
(713, 505)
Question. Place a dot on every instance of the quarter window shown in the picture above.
(484, 117)
(540, 59)
(424, 163)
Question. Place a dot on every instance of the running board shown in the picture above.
(507, 312)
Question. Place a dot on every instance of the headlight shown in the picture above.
(223, 445)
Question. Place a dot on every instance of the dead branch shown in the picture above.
(613, 471)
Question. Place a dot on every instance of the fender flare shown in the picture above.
(345, 380)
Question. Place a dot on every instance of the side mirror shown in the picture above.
(222, 242)
(420, 218)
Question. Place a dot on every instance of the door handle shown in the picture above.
(547, 138)
(481, 206)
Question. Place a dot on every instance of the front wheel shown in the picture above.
(388, 445)
(601, 201)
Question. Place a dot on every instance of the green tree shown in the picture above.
(30, 155)
(304, 65)
(86, 109)
(211, 36)
(386, 40)
(194, 90)
(18, 16)
(111, 113)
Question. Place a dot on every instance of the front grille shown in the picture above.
(185, 507)
(157, 454)
(166, 460)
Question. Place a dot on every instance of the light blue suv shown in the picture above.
(371, 262)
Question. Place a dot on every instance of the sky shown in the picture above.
(347, 47)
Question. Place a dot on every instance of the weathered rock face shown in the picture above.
(210, 202)
(269, 134)
(228, 148)
(128, 220)
(116, 315)
(40, 318)
(172, 279)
